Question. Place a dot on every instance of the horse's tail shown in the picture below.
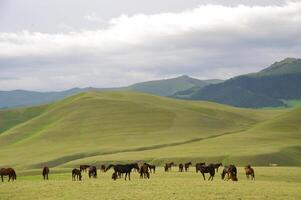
(14, 174)
(108, 167)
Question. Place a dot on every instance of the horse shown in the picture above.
(250, 172)
(197, 166)
(121, 169)
(231, 172)
(76, 174)
(102, 168)
(83, 167)
(181, 167)
(92, 172)
(217, 165)
(207, 169)
(152, 168)
(10, 172)
(45, 172)
(187, 166)
(144, 171)
(168, 166)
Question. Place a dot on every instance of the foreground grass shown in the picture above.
(271, 183)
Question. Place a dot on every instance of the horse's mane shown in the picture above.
(109, 167)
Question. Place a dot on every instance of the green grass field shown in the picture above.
(271, 183)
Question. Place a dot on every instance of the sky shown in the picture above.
(54, 45)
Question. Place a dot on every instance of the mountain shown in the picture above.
(267, 88)
(168, 87)
(106, 127)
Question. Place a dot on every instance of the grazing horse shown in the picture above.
(197, 166)
(168, 166)
(102, 168)
(121, 169)
(207, 169)
(76, 175)
(10, 172)
(152, 168)
(231, 172)
(187, 166)
(45, 172)
(92, 172)
(83, 167)
(250, 172)
(217, 165)
(144, 171)
(181, 167)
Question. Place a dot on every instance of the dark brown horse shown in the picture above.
(10, 172)
(124, 169)
(168, 166)
(152, 168)
(187, 166)
(92, 172)
(83, 167)
(231, 172)
(217, 165)
(181, 167)
(144, 171)
(207, 169)
(102, 168)
(45, 172)
(76, 175)
(197, 166)
(250, 172)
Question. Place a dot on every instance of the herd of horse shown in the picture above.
(144, 169)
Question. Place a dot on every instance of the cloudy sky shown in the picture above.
(60, 44)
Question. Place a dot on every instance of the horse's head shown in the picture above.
(172, 163)
(223, 174)
(220, 164)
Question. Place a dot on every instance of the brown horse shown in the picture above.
(45, 172)
(102, 168)
(10, 172)
(197, 166)
(217, 165)
(181, 167)
(207, 169)
(168, 166)
(231, 172)
(187, 166)
(144, 171)
(124, 169)
(250, 172)
(76, 175)
(83, 167)
(92, 172)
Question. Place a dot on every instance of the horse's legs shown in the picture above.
(125, 175)
(47, 176)
(203, 176)
(129, 176)
(2, 177)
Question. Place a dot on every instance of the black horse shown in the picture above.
(207, 169)
(181, 167)
(186, 165)
(124, 169)
(217, 165)
(92, 172)
(45, 172)
(76, 175)
(231, 172)
(197, 166)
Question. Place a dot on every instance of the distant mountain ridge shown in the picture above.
(267, 88)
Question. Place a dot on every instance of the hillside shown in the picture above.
(101, 127)
(171, 86)
(267, 88)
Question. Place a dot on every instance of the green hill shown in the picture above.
(171, 86)
(267, 88)
(101, 127)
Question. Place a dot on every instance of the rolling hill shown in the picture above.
(267, 88)
(103, 127)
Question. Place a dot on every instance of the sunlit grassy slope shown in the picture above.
(102, 127)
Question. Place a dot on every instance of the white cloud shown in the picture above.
(204, 42)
